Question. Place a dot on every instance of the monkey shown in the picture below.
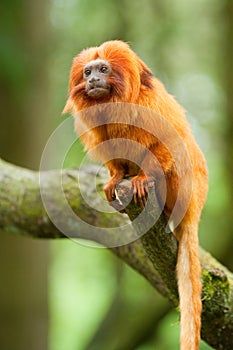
(106, 76)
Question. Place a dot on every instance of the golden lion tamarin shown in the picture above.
(110, 74)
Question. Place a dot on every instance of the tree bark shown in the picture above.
(153, 254)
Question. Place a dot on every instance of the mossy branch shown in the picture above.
(153, 254)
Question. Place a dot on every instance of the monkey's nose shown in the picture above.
(94, 80)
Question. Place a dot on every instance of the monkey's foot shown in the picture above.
(141, 184)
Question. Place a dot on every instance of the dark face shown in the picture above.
(96, 74)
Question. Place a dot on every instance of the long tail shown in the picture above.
(189, 286)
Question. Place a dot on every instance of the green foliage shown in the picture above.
(75, 156)
(79, 300)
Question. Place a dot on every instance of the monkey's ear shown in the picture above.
(68, 107)
(146, 75)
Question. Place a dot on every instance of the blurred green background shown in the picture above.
(61, 295)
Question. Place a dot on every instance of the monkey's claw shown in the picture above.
(109, 190)
(141, 186)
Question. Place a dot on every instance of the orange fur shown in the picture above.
(133, 82)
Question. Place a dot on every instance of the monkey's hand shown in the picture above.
(140, 185)
(109, 190)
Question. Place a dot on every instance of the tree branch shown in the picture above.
(153, 254)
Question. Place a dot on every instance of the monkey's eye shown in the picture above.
(87, 72)
(103, 69)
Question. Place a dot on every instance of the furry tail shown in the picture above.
(189, 286)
